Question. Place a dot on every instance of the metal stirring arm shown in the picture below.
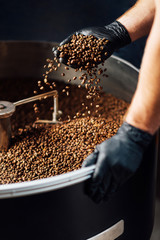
(7, 109)
(53, 93)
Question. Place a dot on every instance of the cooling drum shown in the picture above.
(56, 208)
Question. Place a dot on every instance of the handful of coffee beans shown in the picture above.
(83, 52)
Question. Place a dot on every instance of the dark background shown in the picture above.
(50, 20)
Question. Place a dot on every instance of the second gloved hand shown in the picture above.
(115, 32)
(116, 160)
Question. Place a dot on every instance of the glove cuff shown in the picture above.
(135, 134)
(118, 34)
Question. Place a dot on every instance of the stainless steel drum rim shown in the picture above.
(47, 184)
(125, 62)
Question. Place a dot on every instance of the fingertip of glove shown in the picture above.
(90, 160)
(53, 49)
(55, 52)
(86, 163)
(61, 60)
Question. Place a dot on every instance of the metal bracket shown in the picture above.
(7, 109)
(53, 94)
(111, 233)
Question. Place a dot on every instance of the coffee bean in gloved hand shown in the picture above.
(115, 33)
(116, 160)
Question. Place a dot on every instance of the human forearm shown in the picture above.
(138, 19)
(144, 111)
(117, 159)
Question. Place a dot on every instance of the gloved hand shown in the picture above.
(116, 159)
(116, 33)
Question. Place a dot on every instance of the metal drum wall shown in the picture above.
(56, 208)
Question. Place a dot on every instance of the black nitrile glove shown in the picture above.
(116, 160)
(115, 32)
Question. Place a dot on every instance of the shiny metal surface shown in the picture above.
(39, 97)
(53, 93)
(5, 133)
(111, 233)
(8, 108)
(6, 111)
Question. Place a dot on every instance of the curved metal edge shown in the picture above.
(30, 191)
(45, 185)
(111, 233)
(29, 42)
(8, 110)
(57, 43)
(125, 62)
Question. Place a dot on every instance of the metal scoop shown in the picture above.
(7, 109)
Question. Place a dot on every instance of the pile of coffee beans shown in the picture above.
(41, 152)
